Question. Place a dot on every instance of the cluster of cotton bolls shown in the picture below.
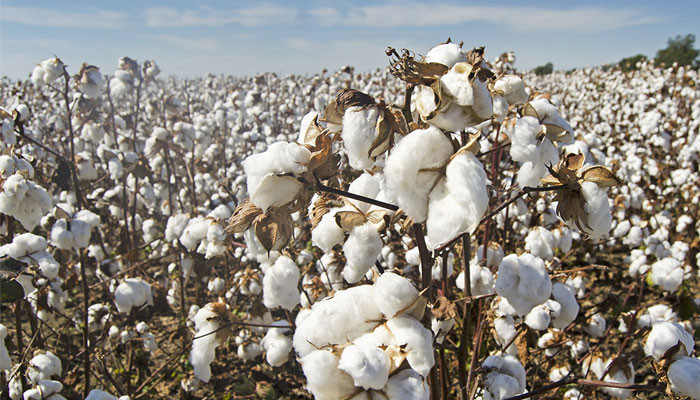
(162, 163)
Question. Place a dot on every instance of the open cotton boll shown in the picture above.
(280, 284)
(327, 233)
(275, 191)
(480, 278)
(595, 326)
(277, 349)
(324, 379)
(407, 385)
(538, 318)
(43, 366)
(566, 298)
(47, 264)
(367, 365)
(394, 293)
(447, 54)
(667, 273)
(418, 342)
(359, 132)
(5, 361)
(597, 209)
(406, 184)
(365, 185)
(549, 115)
(684, 375)
(133, 292)
(97, 394)
(619, 372)
(524, 145)
(665, 335)
(540, 242)
(194, 232)
(175, 226)
(23, 245)
(656, 313)
(459, 201)
(205, 342)
(505, 377)
(523, 281)
(361, 249)
(279, 158)
(513, 89)
(345, 316)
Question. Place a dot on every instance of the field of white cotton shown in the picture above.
(447, 227)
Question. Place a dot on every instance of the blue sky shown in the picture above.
(191, 38)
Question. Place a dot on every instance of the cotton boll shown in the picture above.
(277, 346)
(406, 184)
(447, 54)
(664, 336)
(176, 226)
(280, 284)
(216, 285)
(667, 274)
(684, 375)
(407, 385)
(96, 394)
(361, 249)
(324, 379)
(538, 318)
(656, 313)
(505, 377)
(524, 144)
(523, 281)
(481, 280)
(327, 233)
(205, 342)
(597, 209)
(513, 89)
(133, 292)
(43, 366)
(359, 132)
(563, 295)
(367, 365)
(274, 191)
(595, 326)
(393, 294)
(347, 315)
(5, 361)
(540, 242)
(418, 341)
(458, 202)
(194, 232)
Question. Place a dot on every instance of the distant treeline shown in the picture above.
(680, 50)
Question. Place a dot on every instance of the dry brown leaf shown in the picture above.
(242, 217)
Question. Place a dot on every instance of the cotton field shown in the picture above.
(446, 227)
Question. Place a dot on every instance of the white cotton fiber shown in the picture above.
(597, 209)
(665, 335)
(367, 365)
(523, 281)
(667, 274)
(505, 377)
(44, 366)
(540, 242)
(418, 342)
(324, 379)
(280, 158)
(205, 342)
(133, 292)
(327, 233)
(566, 298)
(359, 132)
(407, 385)
(447, 54)
(394, 293)
(459, 201)
(406, 184)
(361, 249)
(280, 284)
(5, 361)
(684, 375)
(524, 145)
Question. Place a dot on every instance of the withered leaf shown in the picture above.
(529, 111)
(444, 309)
(600, 175)
(242, 217)
(273, 229)
(347, 220)
(378, 218)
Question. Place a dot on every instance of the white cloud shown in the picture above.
(262, 14)
(524, 19)
(63, 19)
(205, 44)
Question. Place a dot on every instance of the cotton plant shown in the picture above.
(208, 337)
(21, 197)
